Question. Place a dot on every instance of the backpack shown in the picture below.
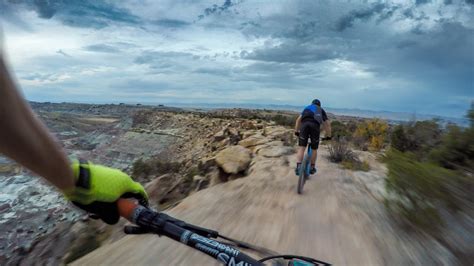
(313, 112)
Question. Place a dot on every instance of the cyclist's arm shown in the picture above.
(26, 140)
(298, 123)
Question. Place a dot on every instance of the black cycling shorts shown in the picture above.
(309, 130)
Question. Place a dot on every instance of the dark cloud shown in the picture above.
(470, 2)
(422, 2)
(409, 14)
(215, 9)
(86, 13)
(383, 11)
(171, 23)
(101, 48)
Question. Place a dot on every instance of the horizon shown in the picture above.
(394, 56)
(355, 112)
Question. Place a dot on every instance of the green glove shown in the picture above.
(98, 188)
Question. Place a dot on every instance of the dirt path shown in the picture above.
(335, 220)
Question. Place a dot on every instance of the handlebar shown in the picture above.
(149, 221)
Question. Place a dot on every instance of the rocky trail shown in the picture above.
(235, 176)
(338, 219)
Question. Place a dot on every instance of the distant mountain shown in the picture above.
(394, 117)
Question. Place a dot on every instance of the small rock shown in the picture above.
(198, 178)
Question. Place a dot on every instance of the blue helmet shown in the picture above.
(316, 102)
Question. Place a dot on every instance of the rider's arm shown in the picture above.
(298, 124)
(26, 140)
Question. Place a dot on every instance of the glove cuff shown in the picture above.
(82, 178)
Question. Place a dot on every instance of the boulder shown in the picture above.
(253, 141)
(234, 159)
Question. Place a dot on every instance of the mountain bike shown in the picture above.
(305, 167)
(149, 221)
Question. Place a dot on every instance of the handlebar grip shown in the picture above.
(126, 208)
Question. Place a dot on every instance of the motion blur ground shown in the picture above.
(339, 219)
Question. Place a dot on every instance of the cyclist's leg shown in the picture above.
(314, 143)
(302, 143)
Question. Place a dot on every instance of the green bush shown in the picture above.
(456, 150)
(399, 139)
(416, 190)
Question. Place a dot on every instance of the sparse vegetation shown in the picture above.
(340, 152)
(340, 131)
(418, 190)
(371, 134)
(430, 171)
(154, 166)
(284, 120)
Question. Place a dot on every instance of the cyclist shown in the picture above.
(25, 139)
(308, 126)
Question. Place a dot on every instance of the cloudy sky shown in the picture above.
(413, 56)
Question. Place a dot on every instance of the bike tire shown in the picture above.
(302, 176)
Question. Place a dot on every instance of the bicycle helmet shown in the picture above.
(317, 102)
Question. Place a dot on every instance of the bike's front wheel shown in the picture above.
(302, 176)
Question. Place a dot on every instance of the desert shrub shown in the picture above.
(416, 190)
(154, 166)
(340, 130)
(456, 150)
(340, 152)
(284, 120)
(356, 165)
(371, 134)
(398, 139)
(142, 117)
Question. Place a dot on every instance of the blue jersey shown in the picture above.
(313, 113)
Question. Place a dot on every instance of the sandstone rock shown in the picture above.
(220, 135)
(233, 159)
(253, 141)
(158, 186)
(248, 125)
(206, 163)
(214, 177)
(275, 151)
(248, 133)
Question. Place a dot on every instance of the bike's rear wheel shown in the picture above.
(302, 176)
